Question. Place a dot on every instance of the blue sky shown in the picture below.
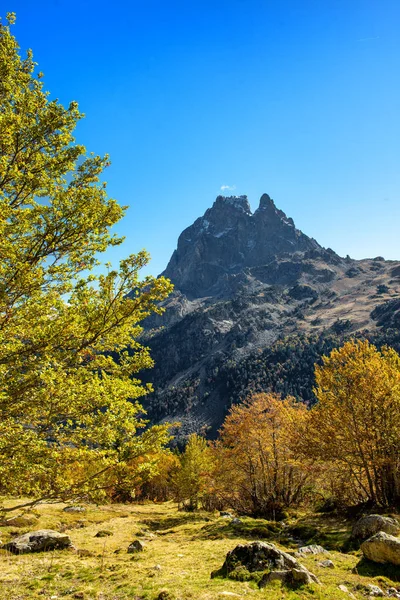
(296, 98)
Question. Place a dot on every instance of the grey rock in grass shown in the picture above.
(382, 548)
(345, 589)
(326, 564)
(74, 509)
(38, 541)
(311, 549)
(374, 590)
(260, 556)
(371, 524)
(136, 546)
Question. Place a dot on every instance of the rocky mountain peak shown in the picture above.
(237, 202)
(245, 284)
(227, 239)
(268, 210)
(266, 202)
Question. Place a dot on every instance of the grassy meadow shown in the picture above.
(181, 550)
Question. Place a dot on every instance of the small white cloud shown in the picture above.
(228, 188)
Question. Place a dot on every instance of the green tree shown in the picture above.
(192, 480)
(66, 425)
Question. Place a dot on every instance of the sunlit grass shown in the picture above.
(181, 551)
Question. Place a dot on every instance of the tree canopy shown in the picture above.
(68, 395)
(355, 426)
(259, 467)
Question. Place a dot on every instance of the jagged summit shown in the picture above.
(229, 238)
(240, 202)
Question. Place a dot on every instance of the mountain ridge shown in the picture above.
(244, 282)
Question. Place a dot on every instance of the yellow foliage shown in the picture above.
(259, 467)
(65, 374)
(356, 423)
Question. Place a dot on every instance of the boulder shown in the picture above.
(135, 546)
(371, 524)
(38, 541)
(260, 556)
(382, 548)
(374, 591)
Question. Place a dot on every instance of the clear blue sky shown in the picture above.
(296, 98)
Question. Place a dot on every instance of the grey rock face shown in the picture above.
(371, 524)
(38, 541)
(382, 548)
(229, 238)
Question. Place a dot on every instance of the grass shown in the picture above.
(181, 551)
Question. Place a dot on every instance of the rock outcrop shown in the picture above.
(382, 548)
(368, 525)
(228, 239)
(266, 559)
(38, 541)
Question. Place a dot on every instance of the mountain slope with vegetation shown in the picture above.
(256, 304)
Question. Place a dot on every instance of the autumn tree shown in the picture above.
(355, 426)
(259, 471)
(69, 416)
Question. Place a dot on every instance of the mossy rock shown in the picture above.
(103, 533)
